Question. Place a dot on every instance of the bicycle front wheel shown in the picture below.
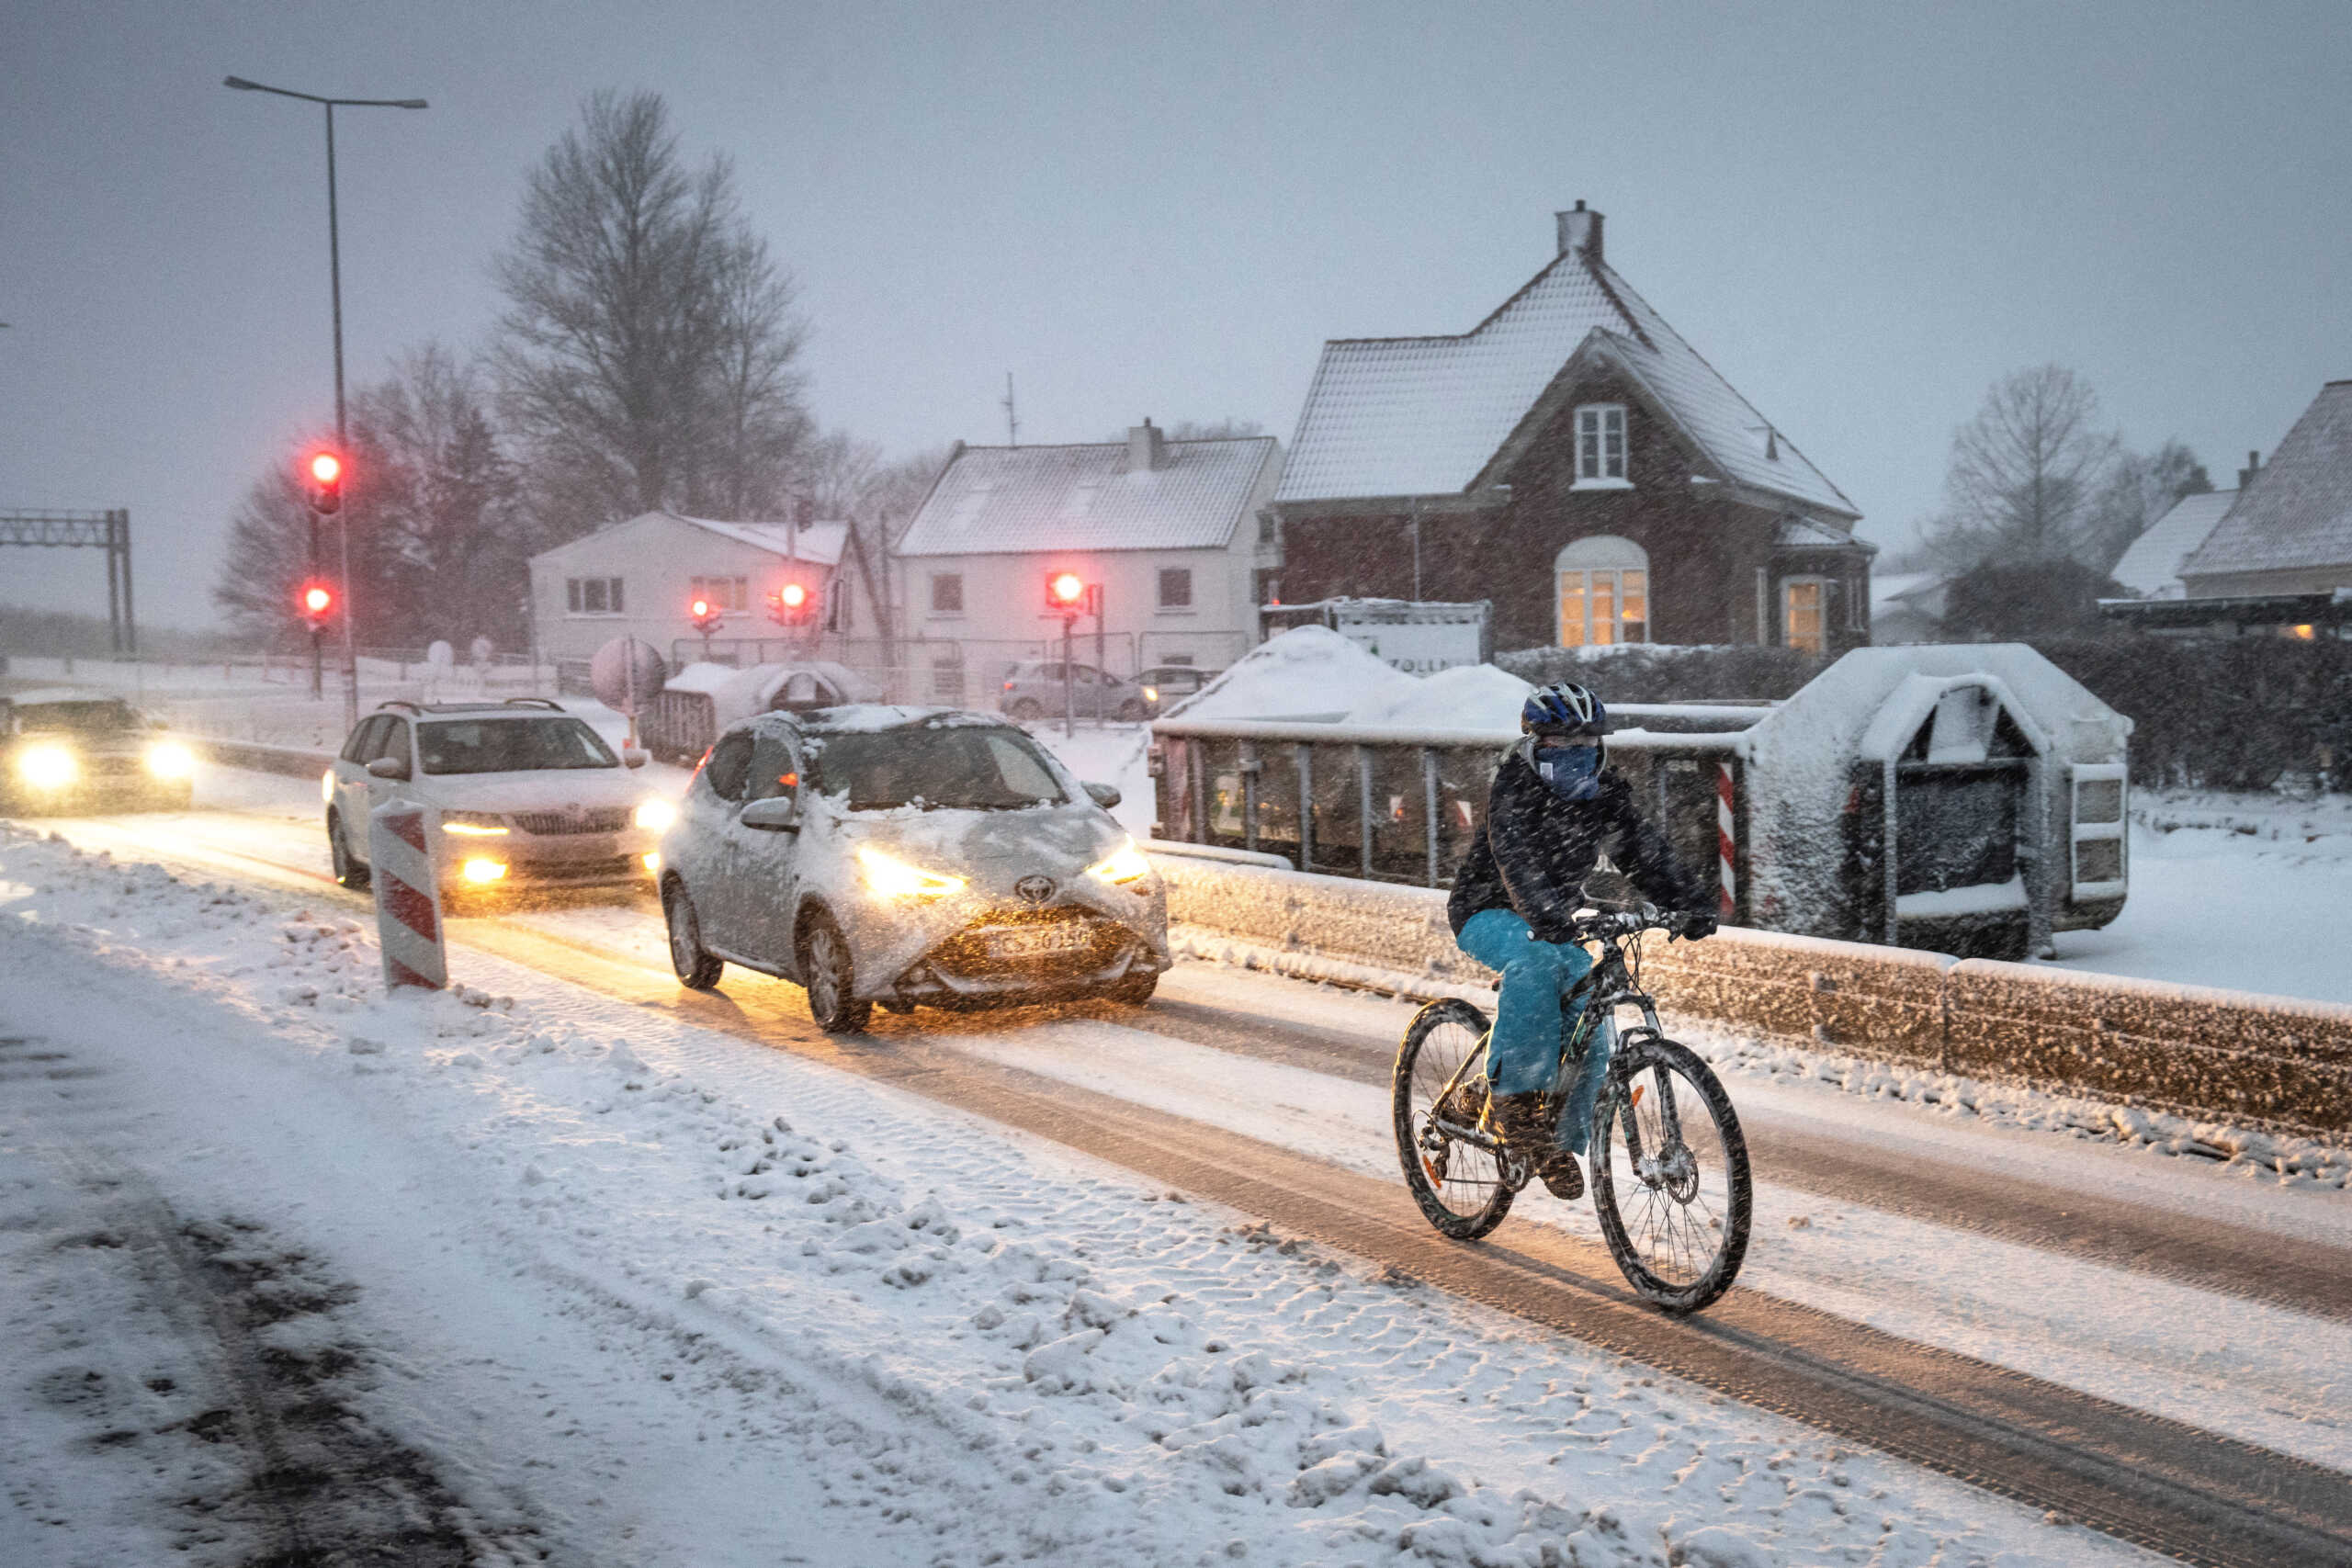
(1670, 1175)
(1440, 1093)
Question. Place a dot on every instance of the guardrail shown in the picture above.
(255, 756)
(2272, 1062)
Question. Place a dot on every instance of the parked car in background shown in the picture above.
(1165, 685)
(1033, 689)
(74, 751)
(907, 856)
(528, 794)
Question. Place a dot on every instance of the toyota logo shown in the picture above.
(1036, 889)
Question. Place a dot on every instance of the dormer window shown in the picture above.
(1600, 446)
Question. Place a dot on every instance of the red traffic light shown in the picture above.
(1065, 588)
(317, 601)
(324, 471)
(707, 616)
(701, 609)
(314, 601)
(794, 595)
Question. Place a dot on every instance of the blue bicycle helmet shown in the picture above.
(1563, 708)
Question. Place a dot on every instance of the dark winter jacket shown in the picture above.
(1536, 849)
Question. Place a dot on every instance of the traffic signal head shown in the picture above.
(794, 605)
(1065, 593)
(704, 616)
(324, 470)
(315, 603)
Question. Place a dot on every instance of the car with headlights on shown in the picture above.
(907, 856)
(64, 750)
(527, 796)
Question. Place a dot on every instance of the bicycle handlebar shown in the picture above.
(1626, 922)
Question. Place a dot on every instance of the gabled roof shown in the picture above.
(820, 542)
(2150, 568)
(2297, 510)
(1005, 500)
(1427, 415)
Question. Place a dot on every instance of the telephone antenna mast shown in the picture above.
(1012, 420)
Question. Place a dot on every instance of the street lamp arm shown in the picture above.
(241, 85)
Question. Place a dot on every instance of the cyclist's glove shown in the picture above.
(1697, 923)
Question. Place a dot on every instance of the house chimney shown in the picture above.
(1579, 230)
(2253, 467)
(1147, 447)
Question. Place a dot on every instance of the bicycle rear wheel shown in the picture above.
(1670, 1175)
(1441, 1083)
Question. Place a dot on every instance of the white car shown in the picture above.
(528, 795)
(905, 856)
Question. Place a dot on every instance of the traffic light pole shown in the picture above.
(342, 444)
(1069, 686)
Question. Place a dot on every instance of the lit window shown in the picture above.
(1604, 592)
(1801, 621)
(1601, 445)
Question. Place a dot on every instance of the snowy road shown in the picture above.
(1923, 1283)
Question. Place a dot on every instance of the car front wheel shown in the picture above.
(348, 872)
(697, 969)
(830, 976)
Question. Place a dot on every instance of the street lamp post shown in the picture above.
(334, 280)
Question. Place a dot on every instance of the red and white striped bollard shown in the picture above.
(408, 895)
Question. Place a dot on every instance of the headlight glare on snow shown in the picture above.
(170, 759)
(656, 813)
(894, 878)
(1125, 864)
(48, 767)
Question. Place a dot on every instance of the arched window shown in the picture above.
(1604, 592)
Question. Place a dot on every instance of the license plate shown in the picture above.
(1041, 942)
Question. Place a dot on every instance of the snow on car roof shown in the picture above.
(60, 694)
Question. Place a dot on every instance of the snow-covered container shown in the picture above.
(1418, 636)
(1963, 799)
(702, 699)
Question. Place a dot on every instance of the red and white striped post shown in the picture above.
(407, 895)
(1726, 842)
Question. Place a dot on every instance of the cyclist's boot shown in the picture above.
(1525, 1125)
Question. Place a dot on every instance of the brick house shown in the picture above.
(1574, 461)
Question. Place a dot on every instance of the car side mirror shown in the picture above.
(387, 767)
(777, 813)
(634, 756)
(1101, 795)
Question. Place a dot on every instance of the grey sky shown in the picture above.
(1862, 214)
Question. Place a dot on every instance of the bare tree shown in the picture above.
(646, 357)
(2024, 472)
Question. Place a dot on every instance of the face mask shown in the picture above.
(1571, 773)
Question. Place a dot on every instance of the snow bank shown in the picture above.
(1469, 696)
(1306, 672)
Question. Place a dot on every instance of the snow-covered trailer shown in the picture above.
(701, 700)
(1964, 799)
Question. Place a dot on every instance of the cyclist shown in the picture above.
(1555, 807)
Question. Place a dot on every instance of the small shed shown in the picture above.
(1963, 798)
(701, 700)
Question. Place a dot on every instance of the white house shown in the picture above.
(641, 577)
(1175, 533)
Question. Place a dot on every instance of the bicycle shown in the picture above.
(1668, 1167)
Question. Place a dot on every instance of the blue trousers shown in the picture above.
(1523, 1050)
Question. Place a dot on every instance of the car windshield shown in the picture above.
(966, 767)
(510, 745)
(95, 718)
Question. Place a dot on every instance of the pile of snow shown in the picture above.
(1469, 696)
(1306, 672)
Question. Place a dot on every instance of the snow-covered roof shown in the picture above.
(1425, 415)
(1800, 532)
(2150, 568)
(1002, 500)
(820, 542)
(1889, 590)
(2297, 510)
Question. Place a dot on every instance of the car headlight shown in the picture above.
(482, 870)
(1151, 694)
(656, 813)
(1125, 864)
(326, 786)
(170, 759)
(48, 767)
(474, 824)
(894, 878)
